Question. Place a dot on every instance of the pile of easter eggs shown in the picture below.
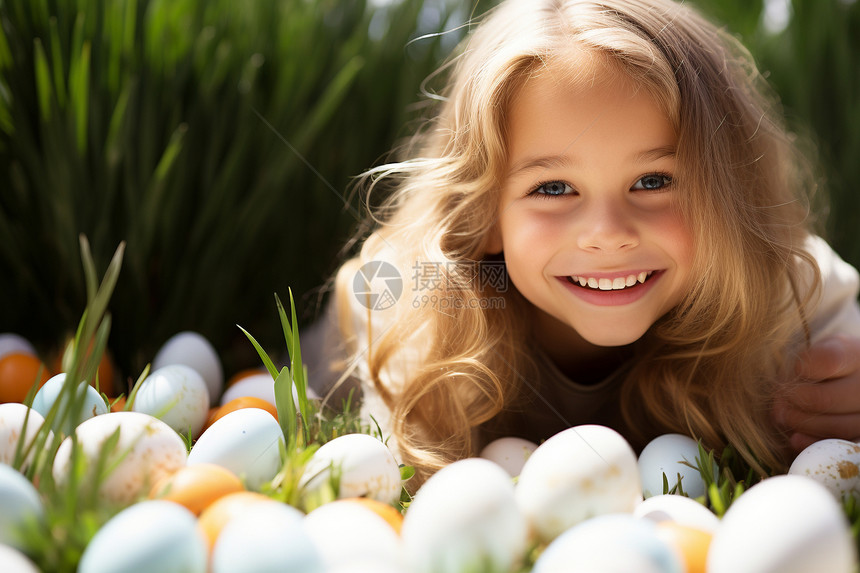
(192, 457)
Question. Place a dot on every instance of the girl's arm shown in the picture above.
(826, 404)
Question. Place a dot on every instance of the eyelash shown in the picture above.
(534, 190)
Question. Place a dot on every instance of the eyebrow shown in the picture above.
(552, 161)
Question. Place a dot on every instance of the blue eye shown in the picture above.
(652, 182)
(553, 189)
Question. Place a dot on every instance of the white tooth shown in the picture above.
(592, 282)
(583, 281)
(618, 283)
(642, 276)
(605, 284)
(631, 280)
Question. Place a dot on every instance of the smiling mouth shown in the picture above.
(606, 284)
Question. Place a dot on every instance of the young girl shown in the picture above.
(605, 223)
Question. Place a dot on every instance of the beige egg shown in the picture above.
(577, 474)
(147, 451)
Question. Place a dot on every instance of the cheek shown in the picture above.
(532, 232)
(679, 240)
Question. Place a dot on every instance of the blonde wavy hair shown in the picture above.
(709, 368)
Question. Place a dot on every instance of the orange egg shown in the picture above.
(245, 374)
(238, 404)
(117, 404)
(213, 519)
(692, 543)
(197, 487)
(18, 373)
(387, 512)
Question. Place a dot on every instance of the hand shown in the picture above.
(826, 403)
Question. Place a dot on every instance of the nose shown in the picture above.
(607, 227)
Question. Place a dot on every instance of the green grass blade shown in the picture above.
(297, 367)
(57, 65)
(90, 277)
(80, 90)
(286, 407)
(270, 366)
(43, 81)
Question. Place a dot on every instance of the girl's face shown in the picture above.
(588, 221)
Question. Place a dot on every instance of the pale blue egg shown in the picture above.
(245, 442)
(20, 505)
(44, 399)
(148, 536)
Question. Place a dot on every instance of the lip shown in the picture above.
(612, 297)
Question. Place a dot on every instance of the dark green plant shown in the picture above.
(814, 64)
(216, 138)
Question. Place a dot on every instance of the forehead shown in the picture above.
(588, 102)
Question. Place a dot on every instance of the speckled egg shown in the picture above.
(366, 467)
(147, 451)
(12, 417)
(833, 463)
(575, 475)
(177, 395)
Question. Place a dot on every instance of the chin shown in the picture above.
(611, 339)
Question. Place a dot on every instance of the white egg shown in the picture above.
(510, 453)
(177, 395)
(833, 463)
(464, 518)
(366, 468)
(11, 342)
(259, 386)
(618, 543)
(93, 403)
(12, 417)
(147, 451)
(678, 509)
(577, 474)
(669, 455)
(15, 562)
(345, 533)
(194, 350)
(783, 524)
(152, 535)
(22, 508)
(266, 537)
(245, 442)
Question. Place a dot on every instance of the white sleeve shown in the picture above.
(836, 311)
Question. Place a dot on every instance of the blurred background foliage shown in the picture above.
(219, 139)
